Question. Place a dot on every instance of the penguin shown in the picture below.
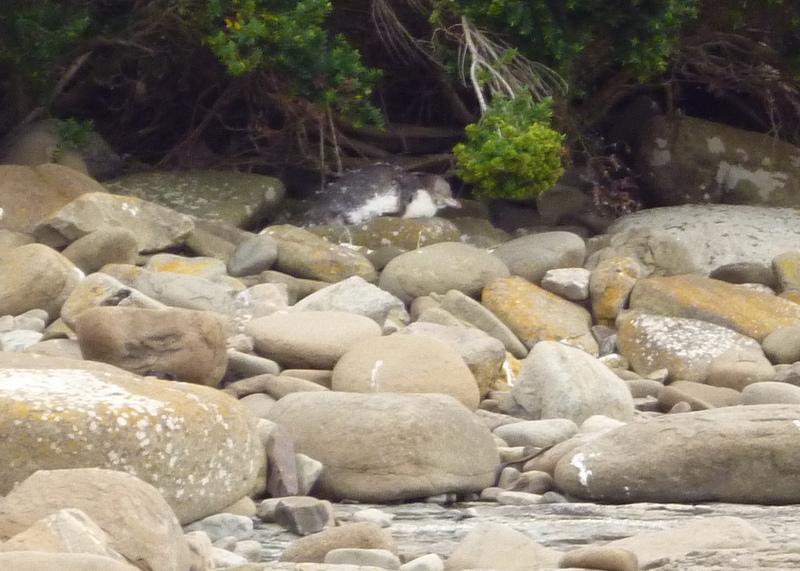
(360, 195)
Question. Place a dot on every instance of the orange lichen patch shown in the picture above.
(742, 309)
(610, 286)
(535, 314)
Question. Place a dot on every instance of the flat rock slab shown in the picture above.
(421, 528)
(716, 235)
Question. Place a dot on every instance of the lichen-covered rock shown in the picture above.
(610, 286)
(440, 268)
(685, 347)
(403, 233)
(156, 227)
(35, 277)
(201, 266)
(787, 269)
(535, 314)
(239, 199)
(306, 255)
(751, 313)
(28, 195)
(197, 446)
(388, 446)
(720, 455)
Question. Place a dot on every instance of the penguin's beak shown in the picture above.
(452, 202)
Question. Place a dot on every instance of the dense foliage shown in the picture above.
(511, 152)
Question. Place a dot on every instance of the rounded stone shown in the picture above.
(101, 247)
(387, 446)
(532, 256)
(439, 268)
(599, 557)
(770, 393)
(406, 364)
(782, 346)
(310, 339)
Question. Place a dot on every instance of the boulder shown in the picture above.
(685, 347)
(391, 231)
(29, 195)
(101, 247)
(751, 313)
(60, 413)
(405, 364)
(386, 447)
(156, 227)
(500, 547)
(533, 255)
(42, 561)
(770, 392)
(306, 255)
(440, 268)
(782, 346)
(559, 381)
(534, 314)
(569, 283)
(238, 199)
(287, 337)
(35, 277)
(253, 256)
(187, 292)
(312, 549)
(199, 266)
(610, 286)
(140, 525)
(719, 455)
(177, 344)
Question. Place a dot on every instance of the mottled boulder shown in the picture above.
(533, 255)
(725, 454)
(141, 526)
(440, 268)
(416, 445)
(101, 247)
(196, 446)
(156, 227)
(685, 347)
(405, 364)
(610, 286)
(35, 277)
(177, 344)
(559, 381)
(239, 199)
(199, 266)
(751, 313)
(28, 195)
(535, 314)
(387, 231)
(306, 255)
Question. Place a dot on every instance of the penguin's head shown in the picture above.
(440, 191)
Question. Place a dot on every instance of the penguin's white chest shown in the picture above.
(422, 206)
(376, 205)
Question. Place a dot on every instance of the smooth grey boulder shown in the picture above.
(532, 256)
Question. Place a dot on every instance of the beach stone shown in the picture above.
(28, 194)
(559, 381)
(285, 337)
(704, 237)
(439, 268)
(702, 534)
(600, 557)
(156, 227)
(685, 347)
(782, 346)
(655, 250)
(306, 255)
(696, 451)
(258, 404)
(68, 348)
(749, 312)
(312, 549)
(533, 482)
(222, 525)
(770, 392)
(18, 340)
(35, 277)
(10, 240)
(737, 368)
(42, 561)
(483, 355)
(406, 364)
(238, 199)
(184, 345)
(103, 246)
(253, 256)
(479, 232)
(363, 557)
(498, 546)
(537, 433)
(61, 413)
(243, 365)
(201, 267)
(261, 300)
(513, 498)
(187, 292)
(533, 255)
(429, 562)
(225, 559)
(569, 283)
(560, 202)
(140, 524)
(746, 273)
(534, 314)
(610, 286)
(297, 288)
(308, 472)
(416, 445)
(373, 515)
(356, 295)
(472, 312)
(697, 395)
(392, 231)
(787, 270)
(273, 385)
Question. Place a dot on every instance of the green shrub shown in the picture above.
(512, 152)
